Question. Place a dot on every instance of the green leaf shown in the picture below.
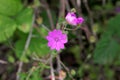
(109, 73)
(97, 7)
(43, 31)
(23, 76)
(46, 19)
(109, 6)
(24, 20)
(7, 28)
(33, 74)
(24, 59)
(36, 75)
(44, 66)
(10, 7)
(36, 3)
(37, 46)
(114, 25)
(117, 62)
(40, 31)
(11, 59)
(106, 50)
(19, 47)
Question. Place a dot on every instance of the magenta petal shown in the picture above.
(49, 44)
(72, 21)
(56, 39)
(80, 20)
(70, 14)
(64, 36)
(49, 38)
(53, 33)
(71, 18)
(50, 33)
(53, 45)
(57, 47)
(62, 46)
(59, 32)
(63, 41)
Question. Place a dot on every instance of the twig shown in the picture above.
(87, 31)
(25, 48)
(40, 60)
(36, 58)
(46, 6)
(62, 8)
(31, 71)
(45, 27)
(51, 68)
(90, 16)
(71, 29)
(103, 2)
(58, 63)
(67, 70)
(67, 5)
(76, 6)
(3, 62)
(79, 3)
(89, 11)
(39, 31)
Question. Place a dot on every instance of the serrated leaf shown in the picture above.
(106, 50)
(7, 28)
(37, 46)
(10, 7)
(19, 47)
(114, 25)
(24, 20)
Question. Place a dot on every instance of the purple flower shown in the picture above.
(73, 20)
(56, 39)
(80, 20)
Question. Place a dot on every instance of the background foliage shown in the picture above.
(92, 52)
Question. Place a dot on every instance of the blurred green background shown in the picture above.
(92, 51)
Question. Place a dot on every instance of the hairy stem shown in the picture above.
(51, 68)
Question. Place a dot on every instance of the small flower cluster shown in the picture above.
(73, 20)
(57, 39)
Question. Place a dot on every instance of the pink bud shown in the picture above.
(73, 20)
(80, 20)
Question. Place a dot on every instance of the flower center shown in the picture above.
(56, 39)
(73, 15)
